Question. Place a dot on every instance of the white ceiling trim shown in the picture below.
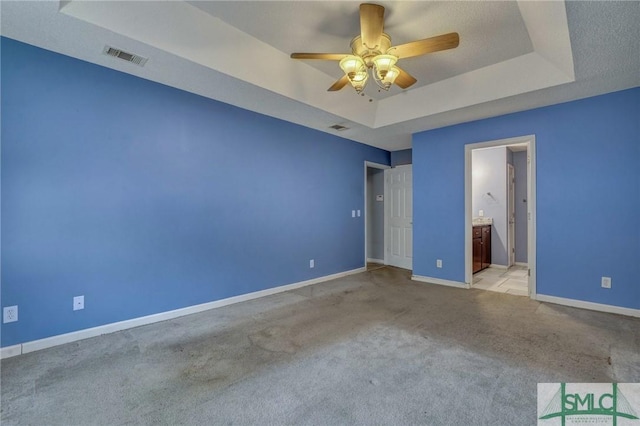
(210, 42)
(550, 65)
(549, 32)
(519, 75)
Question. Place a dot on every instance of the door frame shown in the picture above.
(511, 214)
(369, 164)
(530, 140)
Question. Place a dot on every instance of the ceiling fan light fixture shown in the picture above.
(353, 66)
(356, 70)
(389, 78)
(360, 76)
(382, 65)
(360, 82)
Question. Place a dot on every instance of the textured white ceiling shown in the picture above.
(512, 55)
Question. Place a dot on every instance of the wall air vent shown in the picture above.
(338, 127)
(125, 56)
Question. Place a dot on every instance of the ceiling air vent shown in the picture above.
(338, 127)
(125, 56)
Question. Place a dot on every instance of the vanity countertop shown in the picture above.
(482, 221)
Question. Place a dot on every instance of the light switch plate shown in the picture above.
(358, 213)
(438, 263)
(606, 282)
(353, 213)
(78, 303)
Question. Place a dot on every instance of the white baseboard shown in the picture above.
(588, 305)
(371, 260)
(496, 266)
(36, 345)
(439, 281)
(525, 264)
(9, 351)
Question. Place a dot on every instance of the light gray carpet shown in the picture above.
(372, 348)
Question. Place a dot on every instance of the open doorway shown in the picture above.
(374, 246)
(500, 216)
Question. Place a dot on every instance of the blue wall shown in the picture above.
(588, 195)
(145, 198)
(400, 158)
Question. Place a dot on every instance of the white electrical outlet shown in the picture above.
(78, 303)
(312, 263)
(10, 314)
(358, 213)
(606, 282)
(438, 263)
(481, 213)
(353, 213)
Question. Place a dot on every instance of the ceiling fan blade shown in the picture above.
(324, 56)
(427, 45)
(339, 84)
(404, 79)
(371, 24)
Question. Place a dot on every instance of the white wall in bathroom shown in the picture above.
(489, 193)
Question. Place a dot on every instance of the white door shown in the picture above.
(511, 179)
(399, 227)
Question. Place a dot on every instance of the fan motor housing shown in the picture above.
(367, 55)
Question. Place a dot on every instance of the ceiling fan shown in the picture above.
(372, 50)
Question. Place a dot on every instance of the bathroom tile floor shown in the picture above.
(512, 281)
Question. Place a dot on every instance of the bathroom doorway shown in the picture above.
(500, 216)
